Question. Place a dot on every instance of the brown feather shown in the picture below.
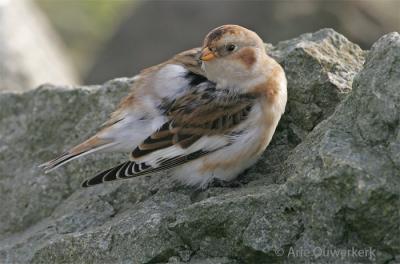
(247, 57)
(194, 116)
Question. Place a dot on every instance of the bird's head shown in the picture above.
(231, 54)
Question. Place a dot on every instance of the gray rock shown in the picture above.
(327, 181)
(347, 171)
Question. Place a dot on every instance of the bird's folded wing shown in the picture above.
(197, 121)
(200, 122)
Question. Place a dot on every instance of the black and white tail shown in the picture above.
(91, 145)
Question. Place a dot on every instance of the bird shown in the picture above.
(206, 114)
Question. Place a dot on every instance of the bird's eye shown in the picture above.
(230, 47)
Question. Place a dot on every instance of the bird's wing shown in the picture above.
(199, 122)
(163, 80)
(127, 122)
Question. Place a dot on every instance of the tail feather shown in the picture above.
(89, 146)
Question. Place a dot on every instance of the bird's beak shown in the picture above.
(207, 54)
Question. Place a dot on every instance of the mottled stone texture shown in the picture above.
(330, 179)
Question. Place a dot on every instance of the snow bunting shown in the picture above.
(207, 113)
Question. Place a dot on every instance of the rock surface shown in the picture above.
(329, 180)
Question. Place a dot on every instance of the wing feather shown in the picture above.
(185, 128)
(199, 122)
(132, 169)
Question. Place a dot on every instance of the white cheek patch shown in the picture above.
(228, 73)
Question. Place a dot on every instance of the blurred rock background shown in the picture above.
(92, 41)
(30, 51)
